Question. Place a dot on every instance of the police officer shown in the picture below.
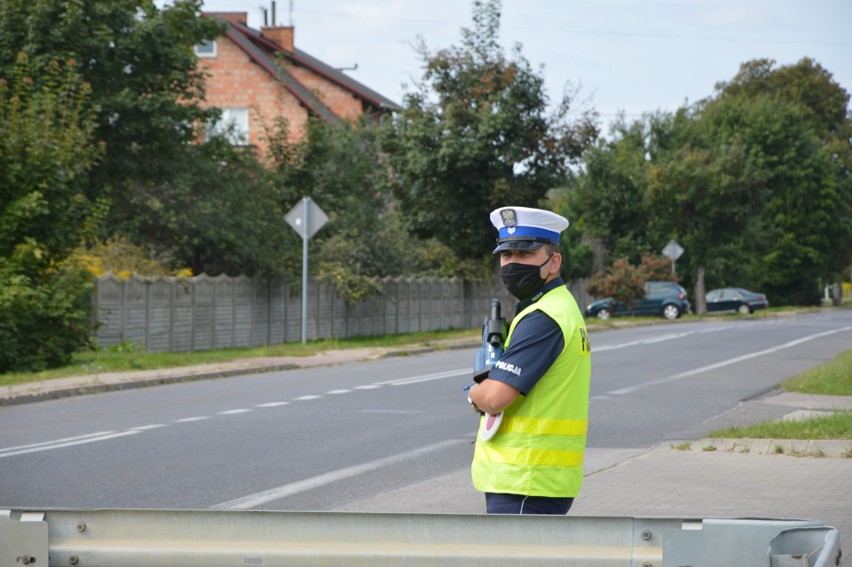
(533, 464)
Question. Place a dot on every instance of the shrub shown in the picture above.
(43, 323)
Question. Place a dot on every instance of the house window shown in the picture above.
(206, 49)
(233, 125)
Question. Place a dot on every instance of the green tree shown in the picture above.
(610, 193)
(46, 149)
(338, 165)
(140, 64)
(805, 229)
(145, 88)
(705, 193)
(219, 212)
(755, 184)
(577, 257)
(761, 188)
(476, 134)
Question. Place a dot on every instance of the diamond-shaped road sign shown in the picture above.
(672, 250)
(306, 218)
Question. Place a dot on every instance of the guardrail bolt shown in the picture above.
(647, 564)
(25, 559)
(81, 527)
(73, 560)
(646, 535)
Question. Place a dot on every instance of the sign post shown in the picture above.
(306, 218)
(672, 250)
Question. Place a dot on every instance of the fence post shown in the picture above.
(192, 324)
(172, 299)
(123, 310)
(234, 312)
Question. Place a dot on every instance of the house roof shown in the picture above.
(264, 52)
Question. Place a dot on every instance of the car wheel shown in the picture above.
(744, 309)
(604, 313)
(671, 312)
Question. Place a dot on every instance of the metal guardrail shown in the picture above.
(211, 538)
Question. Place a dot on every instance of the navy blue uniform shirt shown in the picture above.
(536, 342)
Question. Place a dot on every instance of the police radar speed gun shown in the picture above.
(493, 334)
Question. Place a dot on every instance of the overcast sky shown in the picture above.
(630, 56)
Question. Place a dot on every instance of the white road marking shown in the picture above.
(253, 500)
(646, 341)
(69, 442)
(56, 441)
(338, 391)
(272, 404)
(234, 411)
(426, 377)
(305, 398)
(367, 387)
(657, 339)
(147, 427)
(728, 362)
(191, 419)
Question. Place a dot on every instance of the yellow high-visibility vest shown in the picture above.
(539, 447)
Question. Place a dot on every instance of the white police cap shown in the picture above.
(522, 228)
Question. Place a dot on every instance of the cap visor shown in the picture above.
(518, 245)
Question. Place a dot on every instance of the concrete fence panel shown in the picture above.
(164, 314)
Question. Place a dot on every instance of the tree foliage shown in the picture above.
(610, 194)
(145, 89)
(577, 257)
(338, 165)
(754, 183)
(46, 149)
(220, 212)
(625, 282)
(140, 64)
(804, 143)
(475, 135)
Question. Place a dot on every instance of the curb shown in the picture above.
(90, 385)
(815, 448)
(16, 399)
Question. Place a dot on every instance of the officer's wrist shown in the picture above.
(473, 405)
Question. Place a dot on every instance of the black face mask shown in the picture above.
(523, 280)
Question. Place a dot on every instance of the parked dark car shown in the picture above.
(735, 299)
(661, 298)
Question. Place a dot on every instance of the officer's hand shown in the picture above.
(473, 407)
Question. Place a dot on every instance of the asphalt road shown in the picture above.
(314, 439)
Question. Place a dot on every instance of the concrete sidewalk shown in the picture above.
(782, 479)
(707, 478)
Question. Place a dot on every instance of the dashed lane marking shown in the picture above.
(259, 498)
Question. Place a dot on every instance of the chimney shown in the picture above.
(282, 35)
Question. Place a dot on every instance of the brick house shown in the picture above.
(258, 76)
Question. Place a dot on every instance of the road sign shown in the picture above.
(672, 250)
(306, 218)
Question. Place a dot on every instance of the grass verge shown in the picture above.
(837, 425)
(832, 378)
(127, 357)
